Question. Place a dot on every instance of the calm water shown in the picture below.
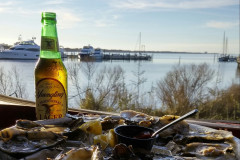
(154, 70)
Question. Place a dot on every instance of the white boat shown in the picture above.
(225, 57)
(26, 50)
(61, 50)
(98, 54)
(86, 51)
(22, 50)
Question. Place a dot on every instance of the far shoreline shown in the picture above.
(129, 51)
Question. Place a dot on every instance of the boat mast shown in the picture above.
(140, 43)
(226, 46)
(20, 38)
(224, 43)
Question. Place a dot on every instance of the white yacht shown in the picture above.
(86, 51)
(22, 50)
(89, 53)
(98, 54)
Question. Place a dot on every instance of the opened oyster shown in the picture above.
(15, 140)
(85, 153)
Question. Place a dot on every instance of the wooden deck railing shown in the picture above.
(12, 109)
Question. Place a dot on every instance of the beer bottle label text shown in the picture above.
(51, 99)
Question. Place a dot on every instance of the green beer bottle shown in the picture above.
(50, 73)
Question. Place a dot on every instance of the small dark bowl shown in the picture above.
(125, 135)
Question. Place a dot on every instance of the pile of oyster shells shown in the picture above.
(92, 137)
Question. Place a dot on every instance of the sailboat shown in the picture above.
(141, 50)
(224, 57)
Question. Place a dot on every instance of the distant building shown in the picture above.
(4, 46)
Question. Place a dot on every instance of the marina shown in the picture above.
(98, 54)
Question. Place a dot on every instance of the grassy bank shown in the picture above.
(184, 88)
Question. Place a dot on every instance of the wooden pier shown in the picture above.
(120, 56)
(123, 56)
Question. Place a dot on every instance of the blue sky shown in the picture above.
(165, 25)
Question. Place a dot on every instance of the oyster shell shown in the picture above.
(26, 124)
(22, 145)
(209, 149)
(110, 122)
(86, 153)
(121, 151)
(142, 119)
(134, 116)
(27, 137)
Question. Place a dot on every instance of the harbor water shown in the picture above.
(154, 70)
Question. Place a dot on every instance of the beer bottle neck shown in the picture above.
(49, 40)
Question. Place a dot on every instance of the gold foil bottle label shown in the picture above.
(51, 99)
